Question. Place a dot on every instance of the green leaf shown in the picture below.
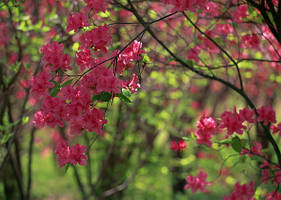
(236, 144)
(193, 136)
(104, 14)
(75, 46)
(66, 83)
(54, 91)
(6, 80)
(16, 67)
(146, 59)
(227, 141)
(125, 96)
(66, 168)
(6, 137)
(188, 138)
(55, 83)
(127, 93)
(103, 96)
(185, 138)
(25, 120)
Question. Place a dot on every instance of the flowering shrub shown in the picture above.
(94, 55)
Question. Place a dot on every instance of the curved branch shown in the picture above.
(212, 77)
(222, 49)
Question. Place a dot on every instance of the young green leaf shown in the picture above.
(103, 96)
(236, 144)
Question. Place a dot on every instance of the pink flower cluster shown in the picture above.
(254, 150)
(84, 59)
(98, 38)
(206, 129)
(273, 196)
(212, 9)
(234, 121)
(133, 85)
(239, 13)
(180, 146)
(181, 5)
(266, 176)
(128, 55)
(41, 84)
(77, 21)
(266, 115)
(276, 129)
(54, 58)
(224, 29)
(70, 155)
(197, 182)
(207, 44)
(242, 192)
(101, 79)
(96, 5)
(71, 105)
(251, 41)
(65, 104)
(193, 53)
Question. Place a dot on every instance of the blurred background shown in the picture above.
(133, 160)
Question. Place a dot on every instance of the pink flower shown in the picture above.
(181, 5)
(182, 145)
(193, 53)
(207, 44)
(232, 121)
(251, 41)
(96, 5)
(76, 21)
(102, 79)
(265, 176)
(206, 129)
(77, 154)
(273, 196)
(266, 114)
(254, 150)
(265, 164)
(70, 155)
(93, 120)
(224, 29)
(76, 126)
(174, 146)
(97, 38)
(277, 178)
(63, 153)
(13, 58)
(242, 192)
(54, 58)
(133, 84)
(40, 84)
(276, 129)
(197, 182)
(247, 114)
(212, 9)
(239, 13)
(127, 56)
(84, 59)
(38, 120)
